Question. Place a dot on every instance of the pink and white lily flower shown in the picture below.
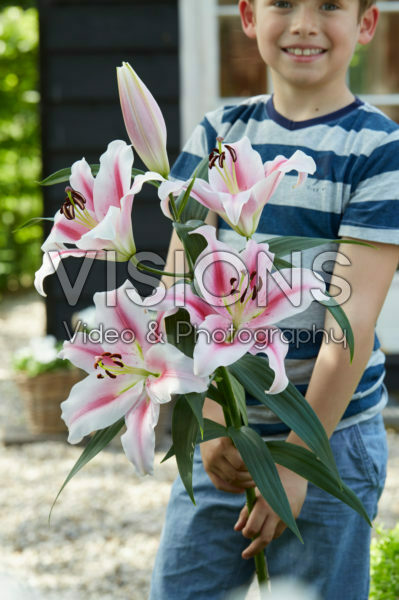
(240, 184)
(130, 376)
(96, 214)
(240, 304)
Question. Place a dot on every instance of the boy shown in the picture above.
(307, 45)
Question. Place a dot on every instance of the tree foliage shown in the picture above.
(20, 161)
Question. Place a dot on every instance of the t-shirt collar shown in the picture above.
(288, 124)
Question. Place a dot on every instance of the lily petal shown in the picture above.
(211, 351)
(140, 180)
(52, 259)
(48, 267)
(82, 352)
(113, 179)
(165, 189)
(63, 231)
(82, 181)
(176, 373)
(299, 161)
(233, 205)
(215, 268)
(248, 166)
(122, 310)
(124, 230)
(181, 295)
(276, 350)
(138, 441)
(97, 403)
(291, 297)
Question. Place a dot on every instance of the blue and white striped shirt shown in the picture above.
(353, 193)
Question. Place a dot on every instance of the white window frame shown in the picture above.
(199, 61)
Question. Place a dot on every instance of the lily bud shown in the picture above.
(144, 122)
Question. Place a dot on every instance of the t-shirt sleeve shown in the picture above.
(372, 212)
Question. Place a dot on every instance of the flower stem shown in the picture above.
(262, 572)
(142, 267)
(233, 418)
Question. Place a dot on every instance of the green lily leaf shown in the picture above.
(193, 209)
(99, 440)
(254, 373)
(214, 394)
(194, 244)
(63, 175)
(280, 263)
(33, 221)
(184, 199)
(196, 403)
(305, 463)
(180, 332)
(185, 430)
(239, 395)
(339, 315)
(212, 430)
(335, 309)
(264, 473)
(283, 245)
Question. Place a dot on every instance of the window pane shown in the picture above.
(374, 68)
(242, 71)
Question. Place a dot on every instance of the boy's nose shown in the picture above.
(304, 22)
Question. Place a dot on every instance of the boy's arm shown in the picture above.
(334, 378)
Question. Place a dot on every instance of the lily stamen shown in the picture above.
(218, 155)
(74, 208)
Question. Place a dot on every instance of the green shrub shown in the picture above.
(385, 565)
(20, 161)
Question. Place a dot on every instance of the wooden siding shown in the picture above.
(81, 44)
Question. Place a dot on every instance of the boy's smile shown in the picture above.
(308, 44)
(304, 53)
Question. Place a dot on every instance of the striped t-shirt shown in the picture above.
(354, 192)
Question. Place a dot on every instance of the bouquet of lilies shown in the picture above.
(229, 302)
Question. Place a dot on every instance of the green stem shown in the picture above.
(227, 390)
(262, 572)
(142, 267)
(233, 418)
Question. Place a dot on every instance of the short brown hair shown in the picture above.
(363, 5)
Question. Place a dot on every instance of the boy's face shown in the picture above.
(307, 43)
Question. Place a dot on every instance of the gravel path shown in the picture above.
(105, 527)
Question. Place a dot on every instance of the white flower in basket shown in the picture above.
(44, 381)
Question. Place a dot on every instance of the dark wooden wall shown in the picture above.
(82, 43)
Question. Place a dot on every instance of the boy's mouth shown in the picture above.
(294, 50)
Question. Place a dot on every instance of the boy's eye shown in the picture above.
(282, 4)
(329, 6)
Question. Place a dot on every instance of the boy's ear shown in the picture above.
(368, 24)
(247, 13)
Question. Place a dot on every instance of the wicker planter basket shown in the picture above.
(43, 395)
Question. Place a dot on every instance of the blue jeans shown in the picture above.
(200, 553)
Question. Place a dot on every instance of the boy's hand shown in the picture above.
(225, 467)
(263, 521)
